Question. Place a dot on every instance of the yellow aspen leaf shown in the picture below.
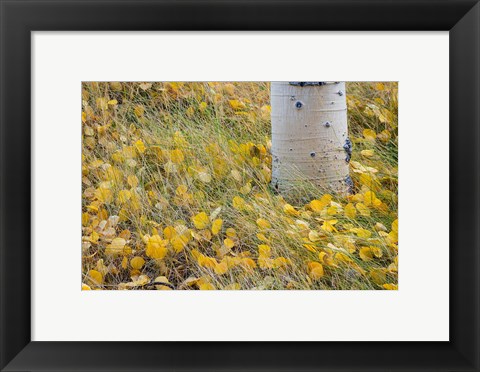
(265, 112)
(262, 237)
(231, 233)
(382, 117)
(378, 276)
(85, 219)
(266, 174)
(229, 243)
(89, 132)
(350, 211)
(316, 270)
(116, 247)
(124, 196)
(139, 111)
(314, 236)
(288, 209)
(125, 263)
(104, 195)
(195, 253)
(169, 232)
(204, 176)
(246, 188)
(138, 281)
(358, 198)
(112, 102)
(379, 86)
(330, 260)
(181, 190)
(205, 234)
(86, 287)
(116, 86)
(236, 104)
(215, 213)
(323, 256)
(135, 203)
(125, 234)
(310, 247)
(102, 214)
(367, 153)
(208, 262)
(102, 129)
(392, 237)
(134, 272)
(332, 211)
(96, 277)
(139, 145)
(370, 199)
(384, 136)
(162, 287)
(146, 238)
(248, 263)
(264, 250)
(179, 242)
(369, 135)
(366, 254)
(145, 86)
(176, 156)
(342, 257)
(318, 205)
(236, 175)
(229, 89)
(393, 267)
(221, 250)
(233, 287)
(190, 111)
(137, 263)
(382, 206)
(202, 106)
(302, 224)
(395, 226)
(221, 268)
(390, 286)
(263, 223)
(174, 88)
(201, 220)
(179, 140)
(156, 247)
(376, 251)
(238, 203)
(328, 225)
(363, 209)
(216, 226)
(101, 103)
(132, 181)
(265, 262)
(362, 233)
(280, 262)
(380, 227)
(206, 287)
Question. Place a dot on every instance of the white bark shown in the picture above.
(309, 132)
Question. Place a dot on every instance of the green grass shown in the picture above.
(157, 155)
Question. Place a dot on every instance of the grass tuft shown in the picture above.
(176, 193)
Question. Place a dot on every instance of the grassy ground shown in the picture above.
(176, 193)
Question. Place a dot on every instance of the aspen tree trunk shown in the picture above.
(310, 135)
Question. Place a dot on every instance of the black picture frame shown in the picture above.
(18, 18)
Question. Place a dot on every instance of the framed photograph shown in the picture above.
(239, 185)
